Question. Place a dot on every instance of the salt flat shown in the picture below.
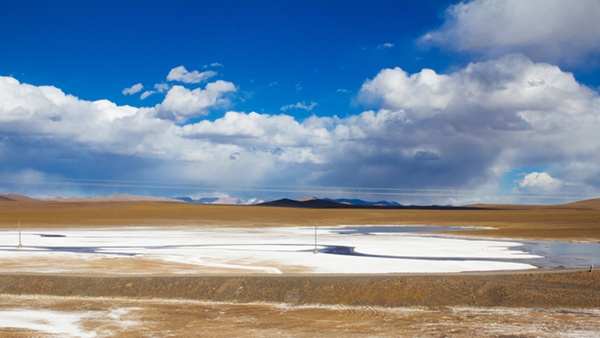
(271, 250)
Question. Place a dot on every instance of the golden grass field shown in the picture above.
(525, 304)
(577, 221)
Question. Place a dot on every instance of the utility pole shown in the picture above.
(20, 243)
(315, 251)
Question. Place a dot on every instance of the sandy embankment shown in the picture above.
(539, 304)
(573, 288)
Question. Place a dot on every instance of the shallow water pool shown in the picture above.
(554, 255)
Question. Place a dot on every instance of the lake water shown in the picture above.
(563, 254)
(554, 254)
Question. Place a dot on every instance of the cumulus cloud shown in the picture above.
(470, 126)
(539, 181)
(178, 74)
(545, 30)
(508, 93)
(57, 134)
(300, 105)
(259, 130)
(136, 88)
(181, 103)
(183, 75)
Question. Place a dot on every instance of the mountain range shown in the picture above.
(227, 200)
(307, 202)
(327, 203)
(220, 200)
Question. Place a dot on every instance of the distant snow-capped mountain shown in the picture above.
(230, 200)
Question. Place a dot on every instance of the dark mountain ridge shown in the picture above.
(334, 204)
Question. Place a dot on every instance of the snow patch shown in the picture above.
(64, 324)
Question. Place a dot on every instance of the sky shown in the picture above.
(419, 102)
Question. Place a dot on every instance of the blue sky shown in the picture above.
(277, 52)
(412, 101)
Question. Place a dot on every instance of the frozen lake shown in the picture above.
(346, 249)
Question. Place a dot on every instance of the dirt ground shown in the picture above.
(510, 304)
(126, 317)
(532, 289)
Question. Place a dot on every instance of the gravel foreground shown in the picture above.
(550, 289)
(534, 304)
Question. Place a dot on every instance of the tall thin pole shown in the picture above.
(20, 243)
(315, 251)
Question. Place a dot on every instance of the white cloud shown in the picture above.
(509, 93)
(161, 87)
(146, 94)
(214, 65)
(259, 130)
(182, 75)
(541, 181)
(545, 30)
(398, 90)
(46, 111)
(158, 88)
(136, 88)
(300, 105)
(52, 132)
(492, 116)
(181, 103)
(386, 45)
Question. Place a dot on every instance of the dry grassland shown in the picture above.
(488, 305)
(563, 222)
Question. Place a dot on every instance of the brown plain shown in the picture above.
(567, 222)
(524, 304)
